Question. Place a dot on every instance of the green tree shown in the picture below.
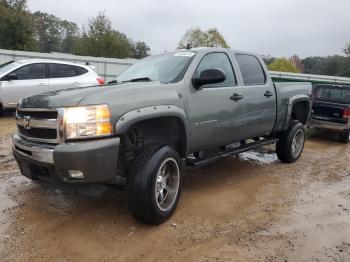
(53, 34)
(140, 50)
(283, 65)
(70, 36)
(101, 40)
(47, 32)
(195, 37)
(16, 26)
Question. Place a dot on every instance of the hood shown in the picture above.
(60, 98)
(121, 97)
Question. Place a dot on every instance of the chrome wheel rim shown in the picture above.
(167, 184)
(298, 143)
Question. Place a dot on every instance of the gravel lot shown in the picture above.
(251, 208)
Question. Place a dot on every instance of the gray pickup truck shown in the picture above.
(185, 107)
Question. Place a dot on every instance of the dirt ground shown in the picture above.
(251, 208)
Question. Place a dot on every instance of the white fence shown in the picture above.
(108, 68)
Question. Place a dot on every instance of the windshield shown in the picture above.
(165, 68)
(8, 66)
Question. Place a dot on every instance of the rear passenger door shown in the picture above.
(62, 76)
(259, 96)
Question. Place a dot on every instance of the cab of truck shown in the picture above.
(331, 110)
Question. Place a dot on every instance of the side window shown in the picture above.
(80, 70)
(218, 61)
(33, 71)
(60, 71)
(252, 70)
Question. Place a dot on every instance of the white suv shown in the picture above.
(33, 76)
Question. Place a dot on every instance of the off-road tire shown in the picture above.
(143, 178)
(284, 146)
(344, 136)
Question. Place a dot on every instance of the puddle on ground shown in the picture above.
(260, 157)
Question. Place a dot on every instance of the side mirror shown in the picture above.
(9, 77)
(209, 76)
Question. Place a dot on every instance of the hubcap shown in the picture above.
(167, 184)
(297, 143)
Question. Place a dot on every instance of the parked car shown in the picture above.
(33, 76)
(331, 110)
(192, 106)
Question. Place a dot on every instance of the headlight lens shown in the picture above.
(87, 121)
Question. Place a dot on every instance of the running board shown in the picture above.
(197, 162)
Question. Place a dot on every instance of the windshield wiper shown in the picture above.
(113, 82)
(140, 79)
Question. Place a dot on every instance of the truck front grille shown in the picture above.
(40, 125)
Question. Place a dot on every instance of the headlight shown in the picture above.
(87, 122)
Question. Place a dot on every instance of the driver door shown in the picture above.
(216, 116)
(30, 80)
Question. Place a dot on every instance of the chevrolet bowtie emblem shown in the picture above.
(27, 122)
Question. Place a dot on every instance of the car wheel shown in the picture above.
(344, 136)
(291, 143)
(154, 185)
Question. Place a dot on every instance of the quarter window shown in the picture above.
(28, 72)
(218, 61)
(251, 69)
(60, 71)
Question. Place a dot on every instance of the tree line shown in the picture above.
(23, 30)
(336, 65)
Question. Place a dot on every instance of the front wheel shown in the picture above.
(291, 143)
(344, 136)
(154, 185)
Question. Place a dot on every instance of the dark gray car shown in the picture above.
(189, 106)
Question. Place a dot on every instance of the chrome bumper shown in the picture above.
(34, 151)
(328, 125)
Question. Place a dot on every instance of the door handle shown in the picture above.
(42, 84)
(268, 94)
(236, 97)
(76, 83)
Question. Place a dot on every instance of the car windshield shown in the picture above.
(166, 68)
(8, 66)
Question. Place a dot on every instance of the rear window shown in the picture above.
(251, 69)
(80, 70)
(332, 93)
(61, 70)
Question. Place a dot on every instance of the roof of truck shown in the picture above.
(218, 49)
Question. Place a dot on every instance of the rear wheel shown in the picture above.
(344, 136)
(154, 185)
(291, 143)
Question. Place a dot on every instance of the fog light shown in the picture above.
(76, 174)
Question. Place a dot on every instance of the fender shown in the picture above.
(137, 115)
(291, 102)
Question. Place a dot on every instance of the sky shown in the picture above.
(280, 28)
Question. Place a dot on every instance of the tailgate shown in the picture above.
(330, 112)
